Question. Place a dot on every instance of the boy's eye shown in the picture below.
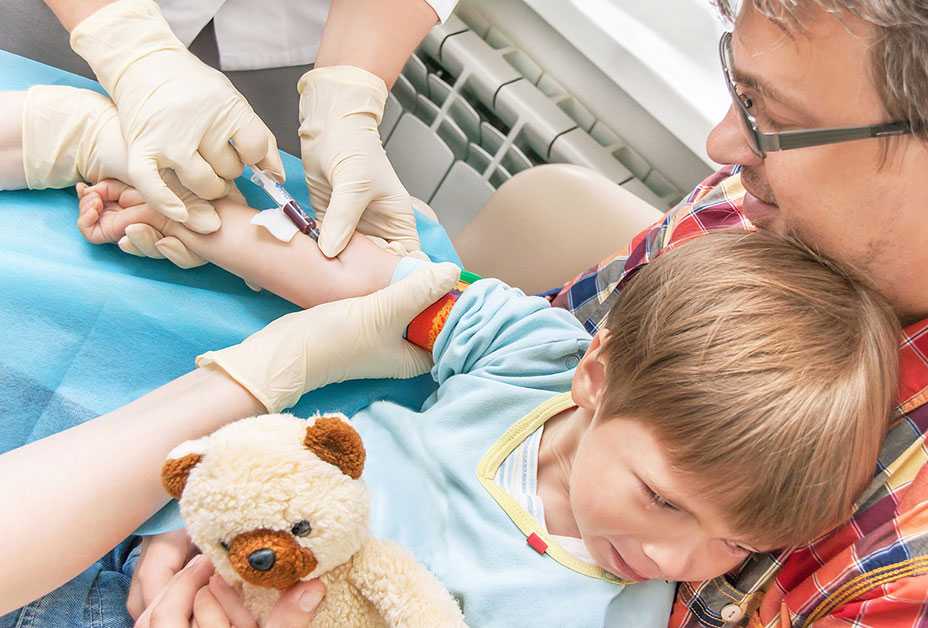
(658, 500)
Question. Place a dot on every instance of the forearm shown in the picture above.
(12, 174)
(71, 497)
(376, 35)
(71, 12)
(296, 271)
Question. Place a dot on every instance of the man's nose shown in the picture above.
(727, 144)
(673, 558)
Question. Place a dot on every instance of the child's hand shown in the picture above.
(107, 208)
(111, 211)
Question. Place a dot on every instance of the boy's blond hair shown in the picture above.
(767, 372)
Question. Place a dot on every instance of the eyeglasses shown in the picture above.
(761, 143)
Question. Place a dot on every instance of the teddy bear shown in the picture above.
(275, 499)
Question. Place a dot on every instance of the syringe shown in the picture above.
(289, 205)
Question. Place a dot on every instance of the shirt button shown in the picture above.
(572, 361)
(732, 612)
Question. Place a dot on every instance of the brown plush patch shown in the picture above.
(337, 443)
(175, 471)
(291, 561)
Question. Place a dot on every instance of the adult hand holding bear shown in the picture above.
(170, 586)
(197, 597)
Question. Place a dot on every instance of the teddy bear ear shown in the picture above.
(179, 463)
(337, 443)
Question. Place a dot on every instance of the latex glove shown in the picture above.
(72, 135)
(175, 111)
(357, 338)
(351, 182)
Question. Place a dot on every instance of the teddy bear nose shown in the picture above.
(262, 559)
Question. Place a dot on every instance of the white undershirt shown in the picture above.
(267, 34)
(518, 476)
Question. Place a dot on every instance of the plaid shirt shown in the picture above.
(871, 572)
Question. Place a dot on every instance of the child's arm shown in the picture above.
(69, 497)
(296, 271)
(12, 174)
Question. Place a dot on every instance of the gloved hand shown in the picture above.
(351, 182)
(175, 111)
(355, 338)
(72, 135)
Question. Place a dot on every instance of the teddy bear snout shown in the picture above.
(270, 558)
(262, 559)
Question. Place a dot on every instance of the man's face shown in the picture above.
(838, 197)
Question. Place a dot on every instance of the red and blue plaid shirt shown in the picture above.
(870, 573)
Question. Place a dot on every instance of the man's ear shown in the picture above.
(179, 463)
(336, 442)
(589, 383)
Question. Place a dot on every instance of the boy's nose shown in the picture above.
(727, 144)
(672, 559)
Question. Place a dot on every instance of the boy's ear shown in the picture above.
(179, 463)
(589, 383)
(337, 443)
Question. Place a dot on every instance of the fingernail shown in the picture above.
(326, 246)
(204, 222)
(331, 245)
(176, 213)
(197, 562)
(310, 600)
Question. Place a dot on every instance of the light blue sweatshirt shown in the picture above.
(500, 356)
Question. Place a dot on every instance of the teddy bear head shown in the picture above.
(273, 499)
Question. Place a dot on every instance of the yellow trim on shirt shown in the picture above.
(496, 455)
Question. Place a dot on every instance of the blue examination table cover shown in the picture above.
(86, 329)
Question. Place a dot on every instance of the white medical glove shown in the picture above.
(72, 135)
(351, 182)
(176, 112)
(357, 338)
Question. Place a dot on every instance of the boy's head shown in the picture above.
(739, 393)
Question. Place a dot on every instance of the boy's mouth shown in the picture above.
(620, 568)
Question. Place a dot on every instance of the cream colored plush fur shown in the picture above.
(257, 474)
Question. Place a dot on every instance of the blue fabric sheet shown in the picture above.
(86, 329)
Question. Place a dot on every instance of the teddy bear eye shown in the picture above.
(224, 545)
(301, 528)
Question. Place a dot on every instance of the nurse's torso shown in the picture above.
(421, 471)
(252, 35)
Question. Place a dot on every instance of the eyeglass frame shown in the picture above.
(761, 143)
